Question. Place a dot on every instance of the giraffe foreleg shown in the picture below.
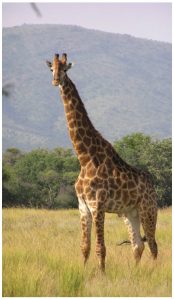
(98, 219)
(98, 214)
(132, 221)
(86, 224)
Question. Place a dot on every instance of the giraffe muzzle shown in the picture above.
(55, 82)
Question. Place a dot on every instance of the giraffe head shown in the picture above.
(59, 67)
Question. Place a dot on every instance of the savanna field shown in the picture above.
(42, 257)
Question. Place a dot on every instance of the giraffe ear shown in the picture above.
(69, 66)
(49, 64)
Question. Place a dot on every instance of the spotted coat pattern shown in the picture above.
(106, 183)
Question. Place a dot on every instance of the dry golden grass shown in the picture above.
(41, 257)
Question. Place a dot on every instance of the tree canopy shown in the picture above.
(43, 178)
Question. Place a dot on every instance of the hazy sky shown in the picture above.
(146, 20)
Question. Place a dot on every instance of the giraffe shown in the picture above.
(106, 183)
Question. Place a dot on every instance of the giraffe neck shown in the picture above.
(87, 141)
(81, 130)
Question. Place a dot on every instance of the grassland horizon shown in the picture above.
(42, 258)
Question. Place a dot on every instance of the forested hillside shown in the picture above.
(125, 83)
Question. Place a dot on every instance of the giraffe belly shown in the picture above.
(120, 201)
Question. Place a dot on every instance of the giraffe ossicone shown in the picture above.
(106, 183)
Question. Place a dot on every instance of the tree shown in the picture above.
(49, 181)
(40, 178)
(159, 163)
(11, 156)
(43, 178)
(133, 149)
(153, 156)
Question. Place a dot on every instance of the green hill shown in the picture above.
(125, 83)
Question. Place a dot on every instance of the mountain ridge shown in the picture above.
(136, 72)
(86, 28)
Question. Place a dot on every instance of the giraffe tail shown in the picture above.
(129, 242)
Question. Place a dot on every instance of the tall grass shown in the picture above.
(41, 257)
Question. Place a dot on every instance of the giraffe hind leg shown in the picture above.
(132, 221)
(148, 219)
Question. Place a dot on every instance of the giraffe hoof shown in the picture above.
(85, 261)
(102, 267)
